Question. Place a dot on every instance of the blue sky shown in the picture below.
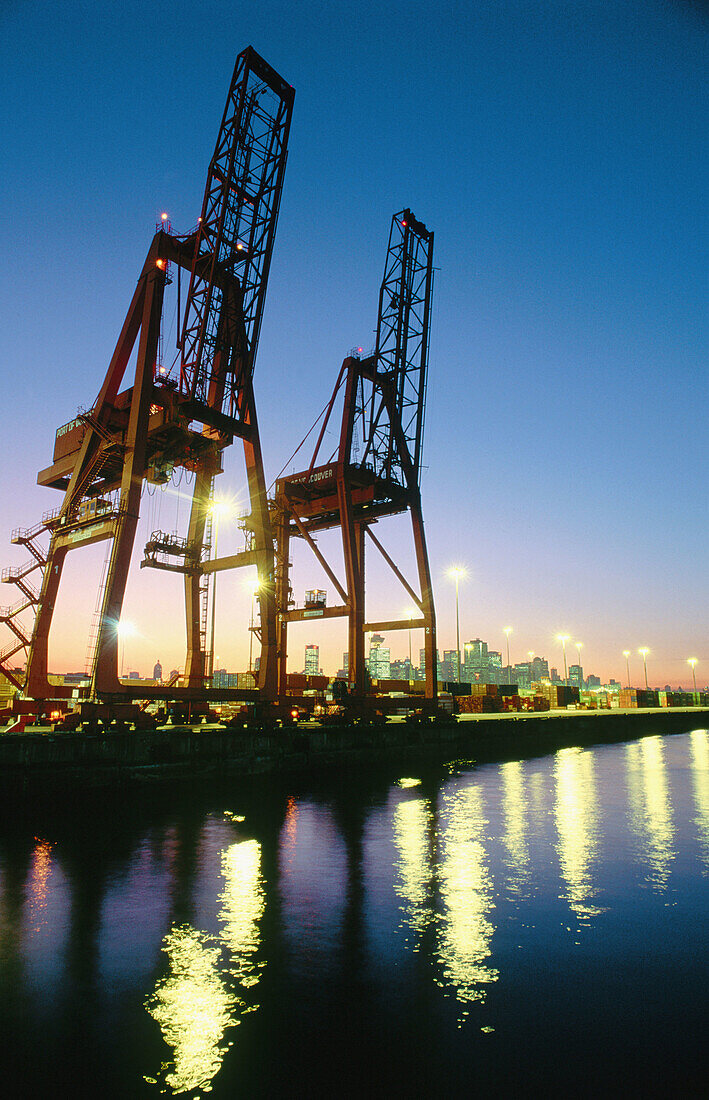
(559, 152)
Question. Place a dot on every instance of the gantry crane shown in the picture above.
(168, 419)
(375, 470)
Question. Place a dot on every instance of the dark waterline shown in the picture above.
(526, 926)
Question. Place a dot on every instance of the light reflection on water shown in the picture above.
(442, 892)
(242, 905)
(38, 883)
(650, 809)
(699, 749)
(412, 824)
(200, 997)
(515, 808)
(464, 941)
(576, 813)
(193, 1007)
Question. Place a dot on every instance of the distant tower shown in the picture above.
(312, 660)
(157, 672)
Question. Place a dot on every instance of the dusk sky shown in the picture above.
(559, 152)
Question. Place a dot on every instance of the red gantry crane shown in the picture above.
(181, 418)
(375, 471)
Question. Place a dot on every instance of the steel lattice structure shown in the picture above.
(235, 236)
(383, 405)
(104, 456)
(401, 349)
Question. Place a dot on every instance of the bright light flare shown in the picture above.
(692, 661)
(220, 508)
(125, 629)
(457, 572)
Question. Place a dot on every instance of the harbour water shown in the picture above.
(522, 926)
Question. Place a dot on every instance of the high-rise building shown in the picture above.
(494, 667)
(449, 665)
(422, 664)
(157, 672)
(521, 674)
(576, 676)
(312, 660)
(379, 660)
(540, 668)
(475, 662)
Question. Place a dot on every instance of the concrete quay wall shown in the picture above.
(99, 759)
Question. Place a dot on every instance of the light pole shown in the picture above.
(507, 631)
(626, 654)
(410, 614)
(123, 630)
(254, 589)
(644, 651)
(563, 638)
(693, 661)
(579, 647)
(456, 573)
(467, 647)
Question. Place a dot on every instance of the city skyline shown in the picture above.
(568, 357)
(537, 667)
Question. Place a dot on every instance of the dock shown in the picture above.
(40, 756)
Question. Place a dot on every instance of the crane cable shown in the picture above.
(305, 437)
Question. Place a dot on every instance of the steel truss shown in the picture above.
(141, 433)
(383, 404)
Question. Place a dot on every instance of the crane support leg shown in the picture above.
(267, 682)
(37, 682)
(105, 671)
(195, 663)
(427, 605)
(282, 597)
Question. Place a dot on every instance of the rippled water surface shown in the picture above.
(535, 926)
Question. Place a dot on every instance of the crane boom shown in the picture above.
(401, 351)
(234, 237)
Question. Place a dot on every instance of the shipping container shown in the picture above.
(454, 688)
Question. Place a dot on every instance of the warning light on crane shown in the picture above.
(160, 264)
(164, 217)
